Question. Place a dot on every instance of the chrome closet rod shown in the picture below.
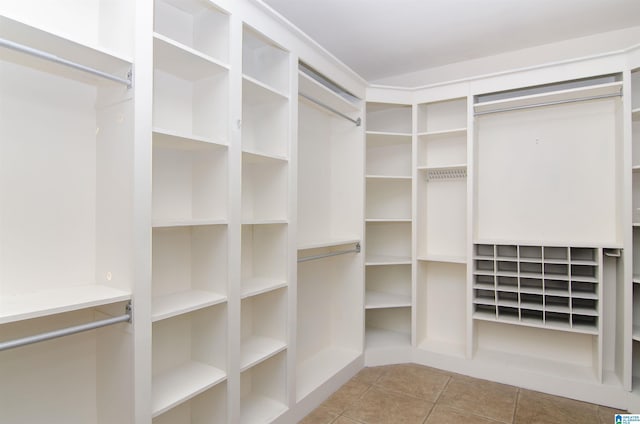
(327, 255)
(559, 102)
(66, 331)
(53, 58)
(358, 121)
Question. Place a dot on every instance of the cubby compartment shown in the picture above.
(264, 62)
(189, 356)
(388, 199)
(442, 216)
(263, 391)
(388, 328)
(263, 327)
(484, 251)
(75, 379)
(441, 292)
(66, 188)
(442, 150)
(542, 282)
(388, 155)
(189, 181)
(264, 189)
(189, 269)
(91, 23)
(443, 116)
(388, 287)
(264, 258)
(197, 25)
(389, 118)
(208, 407)
(190, 94)
(265, 121)
(329, 317)
(388, 243)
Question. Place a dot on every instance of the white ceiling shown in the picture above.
(382, 38)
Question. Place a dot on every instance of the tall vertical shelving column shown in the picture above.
(388, 227)
(66, 184)
(441, 226)
(190, 212)
(265, 218)
(329, 316)
(635, 147)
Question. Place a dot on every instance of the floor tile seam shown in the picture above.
(400, 393)
(465, 412)
(515, 405)
(443, 390)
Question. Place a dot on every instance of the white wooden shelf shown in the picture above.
(89, 56)
(260, 409)
(377, 300)
(166, 138)
(388, 177)
(636, 333)
(188, 223)
(259, 92)
(257, 285)
(312, 88)
(377, 338)
(49, 302)
(452, 166)
(635, 114)
(170, 305)
(331, 242)
(183, 61)
(313, 372)
(256, 349)
(387, 260)
(452, 131)
(434, 257)
(550, 97)
(388, 220)
(264, 221)
(254, 156)
(181, 384)
(390, 133)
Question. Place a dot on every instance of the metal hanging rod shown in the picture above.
(53, 58)
(66, 331)
(358, 121)
(327, 255)
(559, 102)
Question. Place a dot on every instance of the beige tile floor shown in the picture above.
(408, 394)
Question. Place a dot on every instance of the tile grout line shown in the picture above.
(515, 406)
(435, 402)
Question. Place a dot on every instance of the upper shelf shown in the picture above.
(183, 61)
(312, 88)
(49, 302)
(607, 89)
(328, 242)
(60, 49)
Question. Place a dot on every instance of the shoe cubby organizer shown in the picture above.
(539, 286)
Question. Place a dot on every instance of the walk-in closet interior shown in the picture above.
(207, 217)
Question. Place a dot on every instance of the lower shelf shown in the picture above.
(317, 369)
(377, 338)
(260, 409)
(181, 384)
(174, 304)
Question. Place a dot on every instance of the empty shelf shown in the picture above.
(257, 349)
(375, 299)
(314, 371)
(56, 301)
(183, 61)
(170, 305)
(387, 260)
(173, 140)
(377, 338)
(330, 242)
(258, 285)
(162, 223)
(452, 131)
(181, 384)
(260, 409)
(443, 258)
(259, 92)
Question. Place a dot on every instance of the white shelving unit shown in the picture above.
(190, 234)
(263, 393)
(388, 213)
(441, 226)
(635, 229)
(329, 317)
